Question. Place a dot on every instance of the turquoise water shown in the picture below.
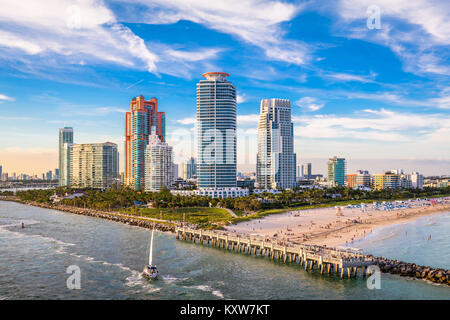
(33, 263)
(425, 241)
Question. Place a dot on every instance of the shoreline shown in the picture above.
(322, 226)
(143, 222)
(404, 269)
(380, 224)
(344, 233)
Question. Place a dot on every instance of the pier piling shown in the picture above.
(326, 259)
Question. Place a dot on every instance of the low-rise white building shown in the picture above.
(214, 192)
(261, 191)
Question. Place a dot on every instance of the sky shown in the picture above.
(367, 80)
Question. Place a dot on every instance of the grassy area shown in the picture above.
(214, 218)
(207, 218)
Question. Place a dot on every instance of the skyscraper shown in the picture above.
(300, 171)
(158, 165)
(65, 137)
(275, 160)
(1, 171)
(336, 171)
(141, 121)
(216, 135)
(189, 168)
(308, 170)
(93, 165)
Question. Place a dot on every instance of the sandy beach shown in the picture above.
(338, 226)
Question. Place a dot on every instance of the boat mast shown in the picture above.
(151, 250)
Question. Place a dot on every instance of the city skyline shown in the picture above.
(344, 100)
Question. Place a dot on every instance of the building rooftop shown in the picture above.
(215, 75)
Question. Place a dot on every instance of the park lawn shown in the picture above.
(239, 213)
(196, 215)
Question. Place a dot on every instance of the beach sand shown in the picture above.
(323, 226)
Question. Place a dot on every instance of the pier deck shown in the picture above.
(343, 262)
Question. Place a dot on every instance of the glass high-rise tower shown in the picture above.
(65, 140)
(275, 160)
(336, 171)
(141, 121)
(216, 131)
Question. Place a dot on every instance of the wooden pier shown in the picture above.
(342, 262)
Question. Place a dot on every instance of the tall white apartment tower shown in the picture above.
(158, 165)
(275, 160)
(417, 180)
(216, 135)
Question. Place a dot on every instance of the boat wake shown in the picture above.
(19, 224)
(169, 279)
(207, 288)
(137, 280)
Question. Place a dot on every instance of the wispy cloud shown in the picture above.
(442, 102)
(4, 98)
(186, 121)
(417, 31)
(309, 104)
(255, 22)
(198, 55)
(246, 119)
(86, 30)
(347, 77)
(372, 124)
(107, 110)
(241, 98)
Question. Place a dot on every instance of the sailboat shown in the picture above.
(150, 271)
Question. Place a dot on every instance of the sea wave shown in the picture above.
(169, 279)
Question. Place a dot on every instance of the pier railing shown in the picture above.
(327, 260)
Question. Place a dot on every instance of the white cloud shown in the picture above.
(417, 31)
(380, 125)
(241, 98)
(107, 110)
(430, 15)
(187, 121)
(443, 102)
(350, 77)
(246, 119)
(253, 21)
(58, 34)
(4, 98)
(309, 104)
(198, 55)
(85, 30)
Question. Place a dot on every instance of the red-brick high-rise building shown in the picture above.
(142, 120)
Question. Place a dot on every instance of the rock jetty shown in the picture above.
(412, 270)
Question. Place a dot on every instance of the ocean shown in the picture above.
(111, 256)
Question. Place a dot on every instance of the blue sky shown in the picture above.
(355, 92)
